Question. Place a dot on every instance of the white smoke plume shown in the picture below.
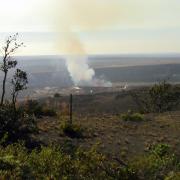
(88, 15)
(77, 64)
(76, 59)
(79, 70)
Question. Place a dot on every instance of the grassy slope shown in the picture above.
(117, 137)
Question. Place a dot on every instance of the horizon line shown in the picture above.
(113, 54)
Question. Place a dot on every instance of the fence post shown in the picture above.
(70, 108)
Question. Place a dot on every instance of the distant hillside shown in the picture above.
(51, 71)
(144, 73)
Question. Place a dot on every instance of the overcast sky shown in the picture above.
(100, 26)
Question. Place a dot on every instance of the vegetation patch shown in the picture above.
(17, 162)
(72, 130)
(159, 163)
(35, 108)
(15, 125)
(159, 98)
(132, 116)
(52, 163)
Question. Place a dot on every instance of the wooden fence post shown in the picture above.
(70, 108)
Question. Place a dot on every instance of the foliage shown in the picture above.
(161, 150)
(162, 97)
(130, 116)
(10, 47)
(173, 176)
(14, 123)
(53, 163)
(141, 99)
(33, 107)
(72, 130)
(159, 163)
(19, 83)
(15, 126)
(17, 162)
(159, 98)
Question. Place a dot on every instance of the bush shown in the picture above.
(163, 97)
(72, 130)
(173, 176)
(159, 98)
(132, 116)
(34, 108)
(15, 125)
(17, 162)
(8, 123)
(52, 163)
(48, 112)
(157, 164)
(161, 150)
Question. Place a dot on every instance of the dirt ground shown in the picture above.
(115, 136)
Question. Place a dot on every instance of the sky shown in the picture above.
(92, 26)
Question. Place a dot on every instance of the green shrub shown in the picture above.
(161, 150)
(157, 164)
(8, 123)
(15, 125)
(132, 116)
(163, 97)
(33, 107)
(72, 130)
(159, 98)
(13, 161)
(173, 176)
(52, 163)
(68, 146)
(17, 162)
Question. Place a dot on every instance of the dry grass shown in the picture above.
(116, 136)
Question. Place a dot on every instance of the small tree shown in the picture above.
(19, 83)
(163, 97)
(159, 98)
(8, 50)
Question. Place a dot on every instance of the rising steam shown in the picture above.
(77, 63)
(79, 70)
(76, 59)
(83, 15)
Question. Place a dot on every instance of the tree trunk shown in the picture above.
(4, 88)
(14, 101)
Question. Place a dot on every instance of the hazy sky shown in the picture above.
(99, 26)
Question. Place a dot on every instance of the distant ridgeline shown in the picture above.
(142, 74)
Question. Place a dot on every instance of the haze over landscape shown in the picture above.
(90, 89)
(102, 27)
(94, 37)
